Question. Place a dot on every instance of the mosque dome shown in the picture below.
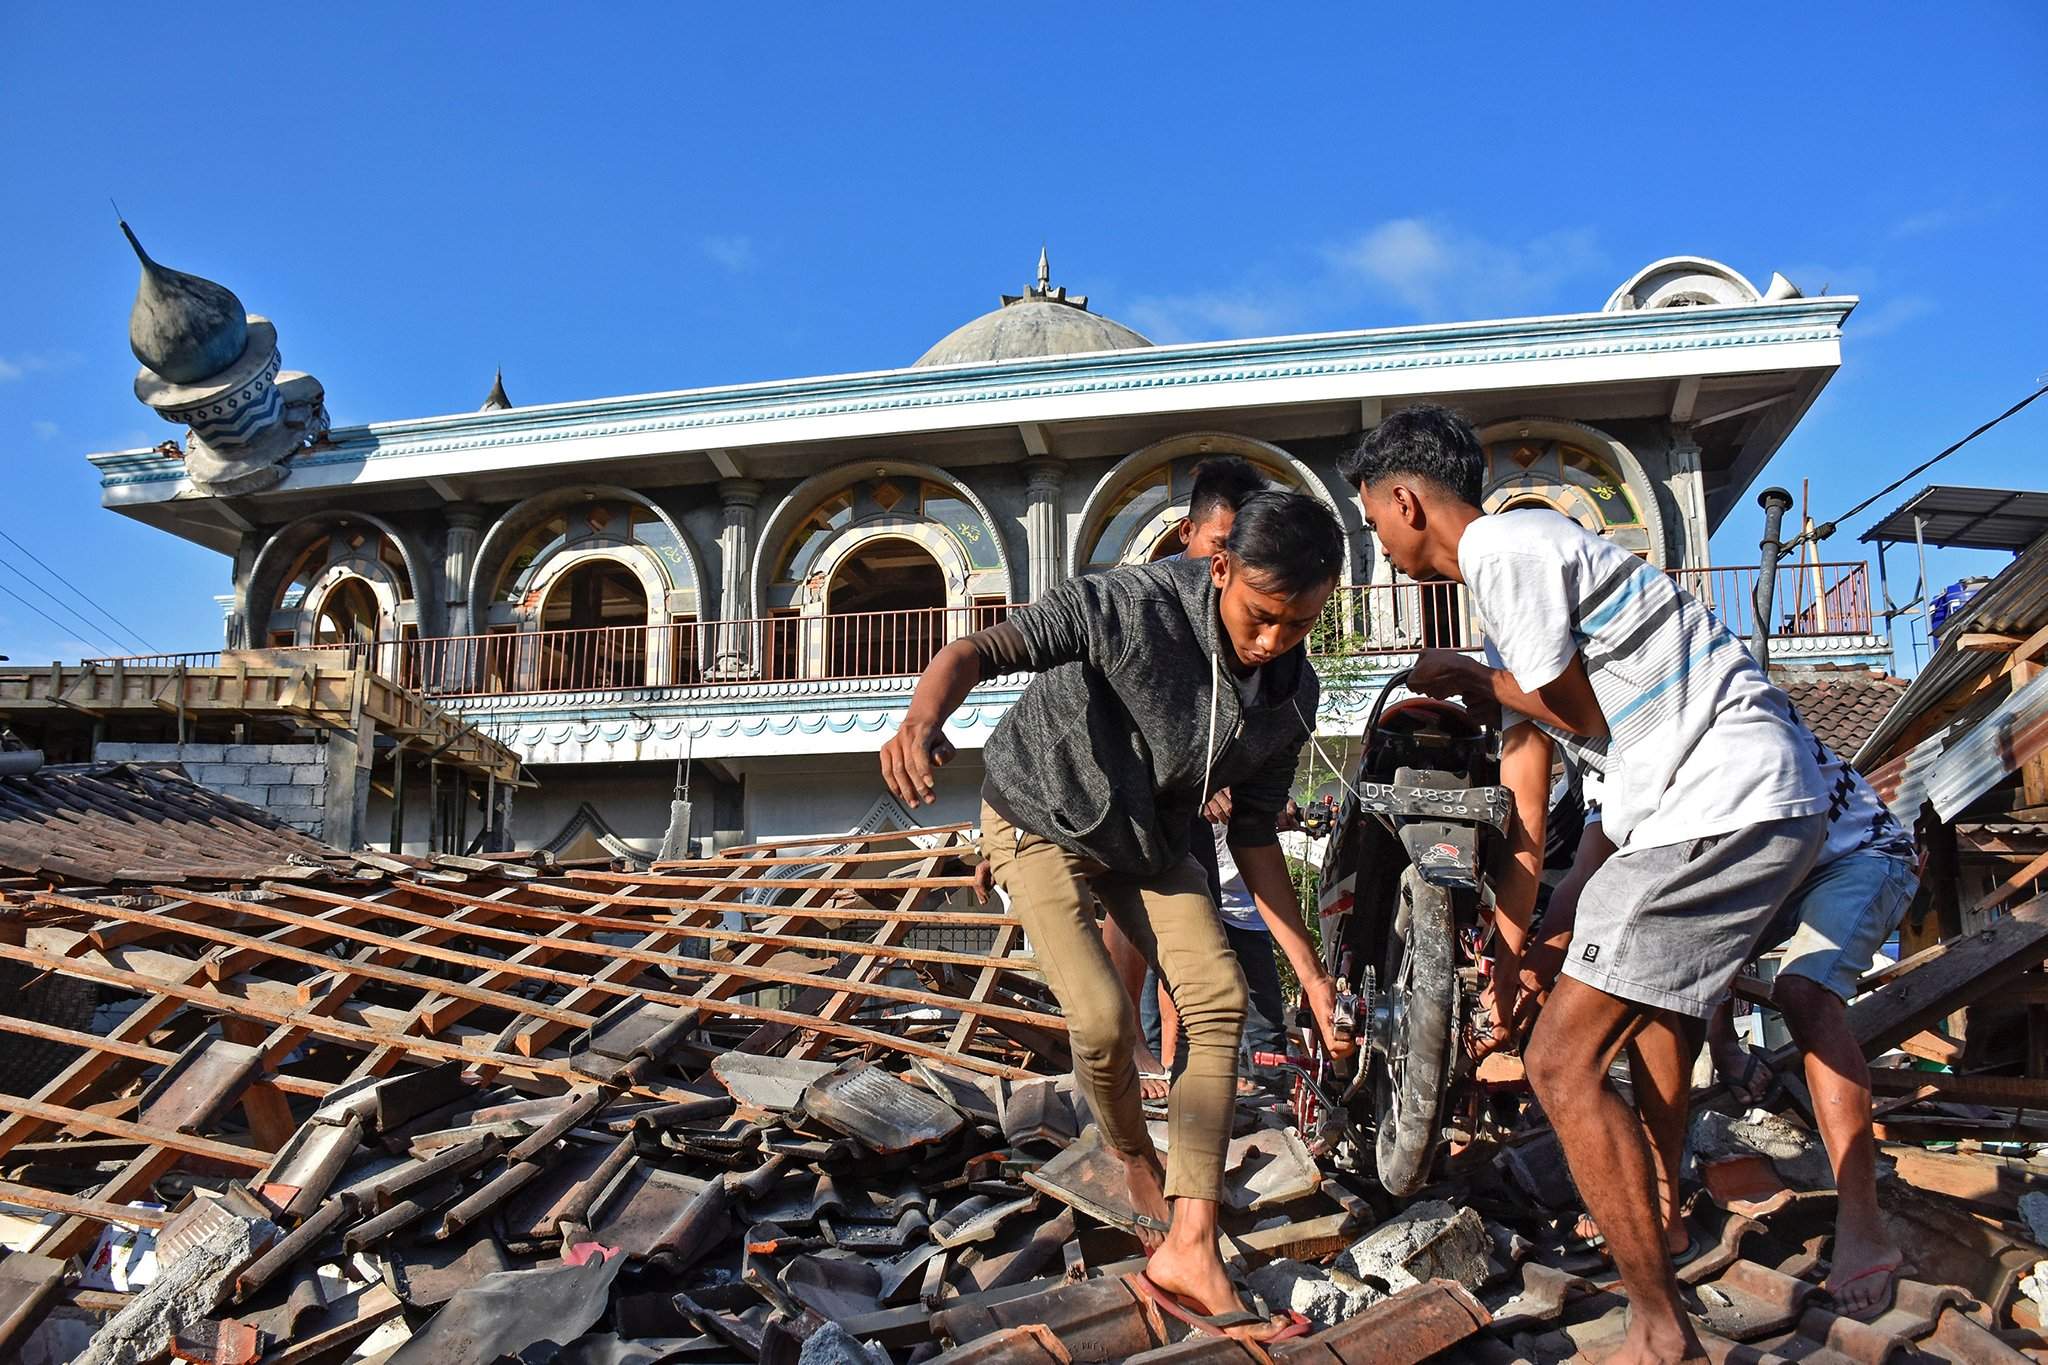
(1041, 321)
(183, 329)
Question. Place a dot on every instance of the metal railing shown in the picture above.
(1375, 619)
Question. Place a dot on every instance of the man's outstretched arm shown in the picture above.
(920, 745)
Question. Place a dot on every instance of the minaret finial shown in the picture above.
(1044, 271)
(495, 400)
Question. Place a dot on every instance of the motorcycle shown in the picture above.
(1405, 900)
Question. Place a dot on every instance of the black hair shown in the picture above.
(1426, 442)
(1224, 481)
(1289, 542)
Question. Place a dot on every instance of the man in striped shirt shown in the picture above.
(1712, 800)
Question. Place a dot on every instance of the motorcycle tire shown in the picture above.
(1408, 1095)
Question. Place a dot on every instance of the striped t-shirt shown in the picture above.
(1699, 741)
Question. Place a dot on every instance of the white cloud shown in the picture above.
(44, 430)
(21, 366)
(1441, 272)
(733, 253)
(1888, 316)
(1926, 223)
(1168, 318)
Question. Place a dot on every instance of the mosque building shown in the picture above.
(739, 584)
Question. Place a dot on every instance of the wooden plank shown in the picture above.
(624, 924)
(75, 1206)
(263, 1104)
(605, 982)
(834, 914)
(984, 985)
(170, 995)
(1951, 974)
(64, 1116)
(306, 957)
(2027, 1092)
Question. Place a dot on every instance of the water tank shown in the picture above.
(1952, 597)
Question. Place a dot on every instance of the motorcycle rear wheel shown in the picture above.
(1422, 980)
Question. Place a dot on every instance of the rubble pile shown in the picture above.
(808, 1104)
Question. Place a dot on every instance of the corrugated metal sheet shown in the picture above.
(1960, 763)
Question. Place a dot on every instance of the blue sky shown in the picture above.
(627, 198)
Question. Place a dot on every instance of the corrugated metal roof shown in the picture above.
(1972, 518)
(2015, 603)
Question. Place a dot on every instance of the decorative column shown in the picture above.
(1042, 517)
(1690, 495)
(458, 558)
(242, 630)
(735, 654)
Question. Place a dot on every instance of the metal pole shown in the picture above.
(1775, 502)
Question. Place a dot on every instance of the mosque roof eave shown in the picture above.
(1193, 377)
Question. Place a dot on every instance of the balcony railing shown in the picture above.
(1379, 619)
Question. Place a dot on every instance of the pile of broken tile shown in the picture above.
(734, 1111)
(803, 1212)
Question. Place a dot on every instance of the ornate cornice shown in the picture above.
(1572, 337)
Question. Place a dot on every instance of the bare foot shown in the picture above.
(1154, 1084)
(1148, 1196)
(1863, 1274)
(1202, 1284)
(1663, 1345)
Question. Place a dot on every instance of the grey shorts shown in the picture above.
(1671, 926)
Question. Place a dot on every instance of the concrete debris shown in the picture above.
(834, 1345)
(181, 1296)
(1433, 1240)
(2033, 1210)
(1312, 1291)
(1796, 1153)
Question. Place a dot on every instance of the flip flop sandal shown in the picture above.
(1747, 1088)
(1694, 1246)
(1221, 1324)
(1893, 1272)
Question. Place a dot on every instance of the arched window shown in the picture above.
(347, 614)
(1131, 516)
(886, 498)
(1582, 472)
(886, 601)
(585, 588)
(348, 585)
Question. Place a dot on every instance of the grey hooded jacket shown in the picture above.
(1104, 752)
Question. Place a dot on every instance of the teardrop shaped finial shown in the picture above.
(183, 328)
(496, 401)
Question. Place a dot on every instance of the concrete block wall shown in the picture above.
(287, 780)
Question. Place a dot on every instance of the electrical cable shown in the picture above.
(92, 631)
(36, 609)
(1827, 528)
(132, 633)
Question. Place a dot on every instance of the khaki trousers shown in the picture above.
(1172, 921)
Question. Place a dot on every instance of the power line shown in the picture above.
(1827, 528)
(92, 631)
(132, 633)
(34, 608)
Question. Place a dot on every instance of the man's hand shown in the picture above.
(1321, 994)
(1217, 812)
(1496, 1028)
(1446, 673)
(910, 757)
(984, 881)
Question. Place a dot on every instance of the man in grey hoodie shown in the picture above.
(1158, 686)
